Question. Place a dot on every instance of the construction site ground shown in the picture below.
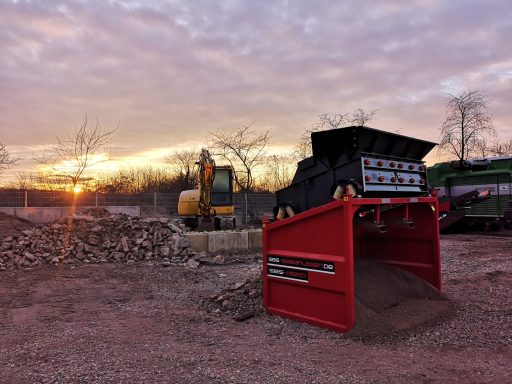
(118, 323)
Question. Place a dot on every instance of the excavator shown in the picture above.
(210, 206)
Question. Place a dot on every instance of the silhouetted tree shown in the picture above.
(184, 168)
(358, 117)
(467, 125)
(78, 151)
(6, 160)
(244, 149)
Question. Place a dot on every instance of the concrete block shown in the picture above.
(198, 241)
(39, 215)
(218, 241)
(130, 210)
(255, 238)
(8, 211)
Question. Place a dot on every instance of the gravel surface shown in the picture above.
(138, 323)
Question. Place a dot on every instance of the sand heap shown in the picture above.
(390, 300)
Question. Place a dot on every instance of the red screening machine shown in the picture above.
(343, 204)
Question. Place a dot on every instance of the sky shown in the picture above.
(169, 72)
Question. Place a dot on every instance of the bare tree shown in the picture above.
(495, 148)
(183, 166)
(78, 151)
(244, 149)
(6, 160)
(358, 117)
(502, 148)
(467, 125)
(278, 172)
(24, 180)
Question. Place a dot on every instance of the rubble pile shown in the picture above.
(240, 301)
(97, 237)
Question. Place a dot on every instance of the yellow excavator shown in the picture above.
(211, 205)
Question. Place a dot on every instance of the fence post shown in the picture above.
(246, 216)
(25, 203)
(96, 199)
(154, 203)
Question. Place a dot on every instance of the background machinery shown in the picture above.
(456, 182)
(210, 206)
(363, 194)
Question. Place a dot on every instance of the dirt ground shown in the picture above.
(138, 323)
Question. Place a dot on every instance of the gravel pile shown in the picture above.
(97, 237)
(241, 301)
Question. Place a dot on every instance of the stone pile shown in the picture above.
(241, 301)
(97, 237)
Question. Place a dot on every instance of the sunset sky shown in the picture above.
(170, 71)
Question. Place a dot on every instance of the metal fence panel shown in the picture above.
(249, 207)
(12, 198)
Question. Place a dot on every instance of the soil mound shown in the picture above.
(11, 225)
(388, 301)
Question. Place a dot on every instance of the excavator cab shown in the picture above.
(222, 198)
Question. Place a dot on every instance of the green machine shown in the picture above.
(455, 178)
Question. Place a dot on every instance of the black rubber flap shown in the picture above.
(332, 143)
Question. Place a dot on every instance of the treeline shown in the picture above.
(276, 173)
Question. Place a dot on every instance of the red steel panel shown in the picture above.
(308, 259)
(308, 267)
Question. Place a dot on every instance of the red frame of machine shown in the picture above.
(308, 259)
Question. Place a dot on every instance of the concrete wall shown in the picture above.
(40, 215)
(225, 240)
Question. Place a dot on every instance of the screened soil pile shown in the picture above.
(10, 225)
(388, 300)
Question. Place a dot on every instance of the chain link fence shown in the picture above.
(249, 207)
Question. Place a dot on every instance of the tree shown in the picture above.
(244, 149)
(467, 125)
(6, 160)
(279, 171)
(183, 166)
(502, 148)
(138, 180)
(358, 117)
(78, 151)
(494, 148)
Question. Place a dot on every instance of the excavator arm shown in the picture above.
(206, 177)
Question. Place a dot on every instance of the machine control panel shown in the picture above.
(381, 174)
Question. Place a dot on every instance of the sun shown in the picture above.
(77, 189)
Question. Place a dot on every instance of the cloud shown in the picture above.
(170, 71)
